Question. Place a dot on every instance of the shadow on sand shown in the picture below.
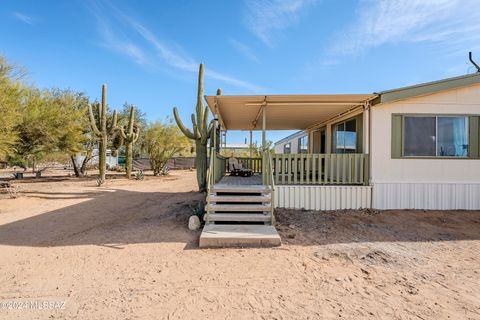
(110, 218)
(115, 217)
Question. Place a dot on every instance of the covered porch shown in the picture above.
(338, 138)
(332, 174)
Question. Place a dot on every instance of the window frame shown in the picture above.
(334, 136)
(436, 116)
(299, 145)
(289, 144)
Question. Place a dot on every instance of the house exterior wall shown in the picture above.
(329, 126)
(293, 141)
(423, 183)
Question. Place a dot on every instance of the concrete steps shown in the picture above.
(218, 235)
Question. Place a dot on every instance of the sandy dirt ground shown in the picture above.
(123, 251)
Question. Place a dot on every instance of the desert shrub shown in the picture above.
(139, 175)
(162, 141)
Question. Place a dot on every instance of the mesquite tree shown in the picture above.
(200, 133)
(129, 138)
(101, 130)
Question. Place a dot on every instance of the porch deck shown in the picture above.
(255, 179)
(301, 169)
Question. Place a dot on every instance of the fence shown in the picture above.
(177, 163)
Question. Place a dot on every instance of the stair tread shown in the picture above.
(250, 217)
(238, 207)
(241, 188)
(239, 198)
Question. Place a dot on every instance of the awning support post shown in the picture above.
(366, 128)
(251, 145)
(264, 142)
(264, 126)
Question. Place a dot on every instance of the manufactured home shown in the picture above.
(294, 143)
(415, 147)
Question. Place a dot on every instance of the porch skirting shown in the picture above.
(319, 197)
(433, 196)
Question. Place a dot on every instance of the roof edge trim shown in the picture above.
(427, 88)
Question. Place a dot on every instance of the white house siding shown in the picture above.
(423, 183)
(293, 146)
(293, 140)
(440, 196)
(322, 197)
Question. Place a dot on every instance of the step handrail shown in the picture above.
(271, 184)
(209, 184)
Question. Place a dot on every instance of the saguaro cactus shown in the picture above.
(129, 138)
(101, 131)
(200, 133)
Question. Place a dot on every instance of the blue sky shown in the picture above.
(147, 52)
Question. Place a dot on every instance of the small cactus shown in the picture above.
(101, 130)
(139, 175)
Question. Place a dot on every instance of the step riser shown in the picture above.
(217, 236)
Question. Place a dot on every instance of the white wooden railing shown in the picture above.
(326, 169)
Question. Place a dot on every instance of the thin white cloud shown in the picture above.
(231, 80)
(450, 25)
(172, 58)
(244, 49)
(146, 52)
(25, 18)
(124, 46)
(265, 17)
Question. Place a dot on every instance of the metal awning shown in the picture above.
(283, 112)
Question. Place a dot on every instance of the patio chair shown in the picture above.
(236, 168)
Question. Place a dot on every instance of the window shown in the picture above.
(346, 137)
(434, 136)
(303, 145)
(287, 148)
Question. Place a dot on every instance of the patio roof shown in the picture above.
(283, 112)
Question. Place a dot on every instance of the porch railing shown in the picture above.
(269, 180)
(254, 164)
(328, 169)
(217, 167)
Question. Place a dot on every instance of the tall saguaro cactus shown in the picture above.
(200, 133)
(101, 131)
(129, 138)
